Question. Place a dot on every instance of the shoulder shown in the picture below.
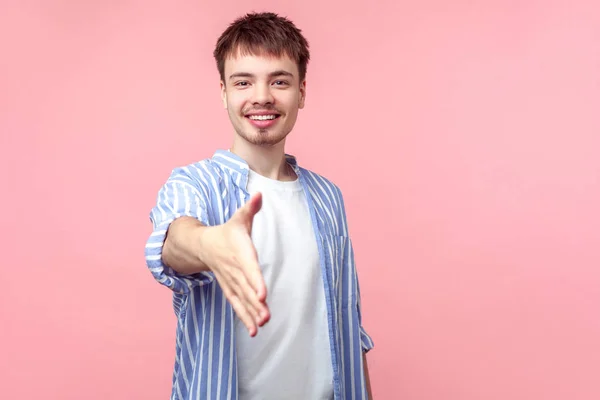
(327, 194)
(321, 183)
(200, 174)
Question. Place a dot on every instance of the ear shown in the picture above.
(223, 95)
(302, 97)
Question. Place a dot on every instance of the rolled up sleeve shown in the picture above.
(180, 196)
(366, 341)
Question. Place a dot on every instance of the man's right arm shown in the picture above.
(183, 246)
(183, 251)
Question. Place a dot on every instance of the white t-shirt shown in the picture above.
(290, 357)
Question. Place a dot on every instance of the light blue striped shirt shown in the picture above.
(205, 361)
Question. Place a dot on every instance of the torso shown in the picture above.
(290, 358)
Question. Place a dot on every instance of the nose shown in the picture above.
(262, 94)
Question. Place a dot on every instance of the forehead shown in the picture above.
(258, 63)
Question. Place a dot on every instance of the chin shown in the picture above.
(263, 141)
(263, 138)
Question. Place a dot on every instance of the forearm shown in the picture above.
(367, 379)
(182, 249)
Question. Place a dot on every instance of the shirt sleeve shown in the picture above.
(179, 196)
(365, 339)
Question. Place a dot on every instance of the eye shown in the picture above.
(280, 83)
(242, 83)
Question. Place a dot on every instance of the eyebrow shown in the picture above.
(273, 74)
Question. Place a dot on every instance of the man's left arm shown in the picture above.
(366, 342)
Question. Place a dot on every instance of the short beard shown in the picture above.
(260, 139)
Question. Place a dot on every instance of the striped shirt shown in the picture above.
(211, 190)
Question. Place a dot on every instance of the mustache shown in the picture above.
(261, 109)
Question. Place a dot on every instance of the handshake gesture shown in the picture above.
(226, 250)
(231, 256)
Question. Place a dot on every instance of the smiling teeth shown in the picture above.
(262, 117)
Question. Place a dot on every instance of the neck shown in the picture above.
(268, 161)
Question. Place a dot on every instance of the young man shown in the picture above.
(267, 303)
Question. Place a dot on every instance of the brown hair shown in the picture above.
(263, 33)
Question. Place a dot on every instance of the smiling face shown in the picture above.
(262, 95)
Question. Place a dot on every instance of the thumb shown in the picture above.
(250, 209)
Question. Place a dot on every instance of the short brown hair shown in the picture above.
(263, 33)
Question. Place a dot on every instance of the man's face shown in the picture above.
(262, 95)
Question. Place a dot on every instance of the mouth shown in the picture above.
(262, 117)
(263, 121)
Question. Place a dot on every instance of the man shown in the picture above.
(287, 271)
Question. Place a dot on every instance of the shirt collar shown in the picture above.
(238, 168)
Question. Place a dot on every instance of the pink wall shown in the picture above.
(481, 278)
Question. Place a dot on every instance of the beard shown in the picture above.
(260, 137)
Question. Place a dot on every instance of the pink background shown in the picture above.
(477, 122)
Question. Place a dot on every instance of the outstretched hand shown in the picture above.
(234, 261)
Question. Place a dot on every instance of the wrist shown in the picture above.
(204, 237)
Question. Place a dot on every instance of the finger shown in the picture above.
(232, 290)
(225, 285)
(252, 271)
(243, 315)
(248, 296)
(248, 304)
